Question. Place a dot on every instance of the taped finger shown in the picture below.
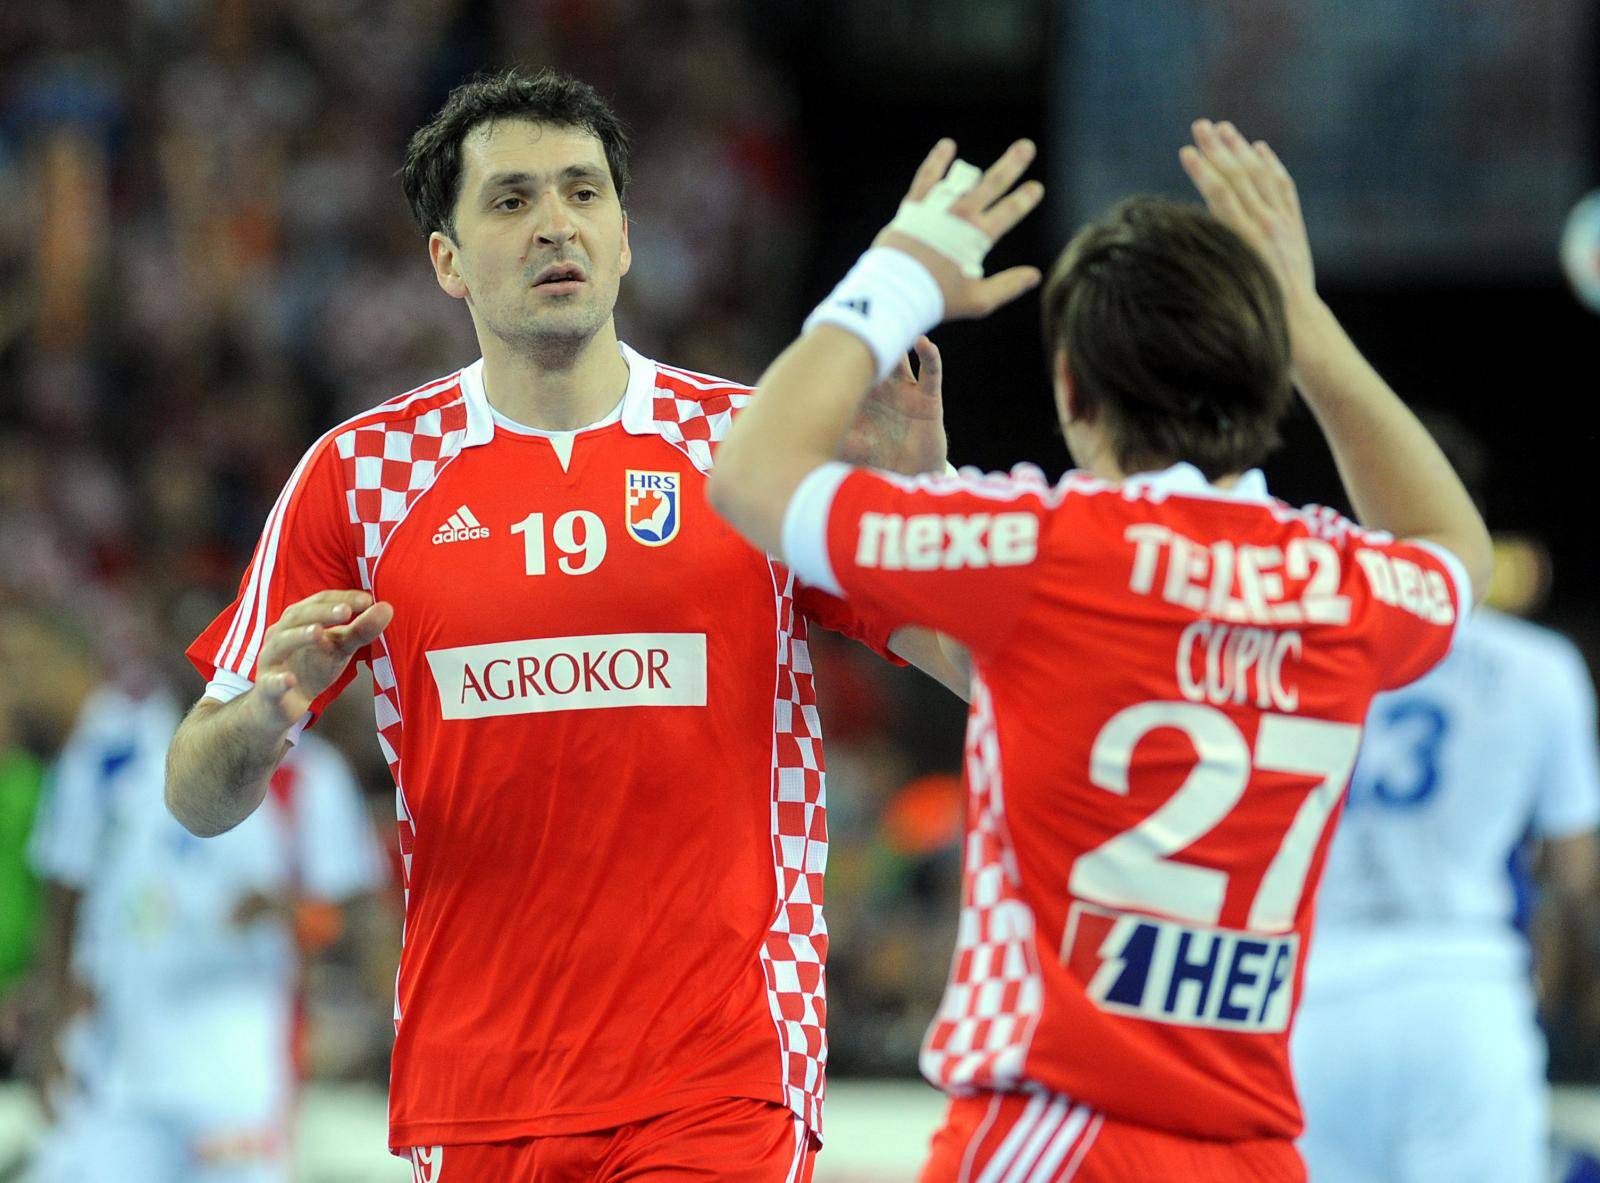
(961, 179)
(933, 222)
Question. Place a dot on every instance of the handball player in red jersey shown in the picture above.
(596, 699)
(1171, 667)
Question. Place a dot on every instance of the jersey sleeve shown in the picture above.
(305, 547)
(1569, 776)
(1414, 598)
(839, 616)
(959, 554)
(339, 855)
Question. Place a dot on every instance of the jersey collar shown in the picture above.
(638, 400)
(1186, 480)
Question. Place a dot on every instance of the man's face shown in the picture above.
(541, 242)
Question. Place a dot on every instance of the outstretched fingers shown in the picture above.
(1001, 218)
(1277, 176)
(999, 290)
(1240, 181)
(933, 167)
(997, 181)
(1237, 163)
(1247, 188)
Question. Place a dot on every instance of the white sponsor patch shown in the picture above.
(570, 674)
(947, 541)
(1186, 975)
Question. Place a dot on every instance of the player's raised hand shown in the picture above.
(900, 427)
(310, 645)
(950, 217)
(1247, 189)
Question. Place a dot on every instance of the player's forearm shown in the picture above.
(219, 764)
(1397, 478)
(943, 659)
(803, 407)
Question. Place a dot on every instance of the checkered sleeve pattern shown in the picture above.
(796, 945)
(390, 460)
(693, 412)
(995, 995)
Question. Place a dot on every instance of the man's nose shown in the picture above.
(554, 225)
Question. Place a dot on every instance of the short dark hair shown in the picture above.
(432, 171)
(1174, 329)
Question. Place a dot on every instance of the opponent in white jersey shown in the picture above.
(1417, 1055)
(183, 1067)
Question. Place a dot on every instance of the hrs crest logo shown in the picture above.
(653, 507)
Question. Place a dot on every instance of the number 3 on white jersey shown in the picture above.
(1135, 869)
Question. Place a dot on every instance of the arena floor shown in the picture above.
(876, 1132)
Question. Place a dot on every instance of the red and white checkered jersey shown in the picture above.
(597, 704)
(1170, 681)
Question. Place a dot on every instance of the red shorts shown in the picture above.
(1045, 1138)
(739, 1140)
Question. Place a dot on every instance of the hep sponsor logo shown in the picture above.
(1186, 975)
(946, 541)
(653, 506)
(570, 674)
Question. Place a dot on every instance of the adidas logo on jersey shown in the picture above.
(461, 527)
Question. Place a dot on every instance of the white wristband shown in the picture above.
(888, 299)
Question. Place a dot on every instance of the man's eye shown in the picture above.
(508, 203)
(586, 195)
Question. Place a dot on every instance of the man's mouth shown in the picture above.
(559, 278)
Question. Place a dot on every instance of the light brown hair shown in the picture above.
(1174, 330)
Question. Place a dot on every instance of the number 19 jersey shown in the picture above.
(1170, 680)
(597, 704)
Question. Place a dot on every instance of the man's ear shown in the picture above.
(627, 251)
(1067, 402)
(444, 255)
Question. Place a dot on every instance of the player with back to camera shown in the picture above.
(596, 699)
(1171, 667)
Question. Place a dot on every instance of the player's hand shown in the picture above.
(994, 205)
(309, 646)
(901, 425)
(1246, 188)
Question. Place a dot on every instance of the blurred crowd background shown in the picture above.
(205, 261)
